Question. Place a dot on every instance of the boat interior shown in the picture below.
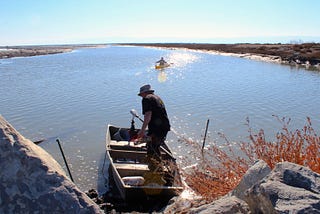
(134, 166)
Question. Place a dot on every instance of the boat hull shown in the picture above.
(161, 66)
(129, 163)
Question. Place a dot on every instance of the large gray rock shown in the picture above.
(254, 174)
(31, 181)
(225, 205)
(289, 188)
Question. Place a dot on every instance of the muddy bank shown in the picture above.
(306, 55)
(25, 51)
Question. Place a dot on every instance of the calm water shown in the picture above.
(74, 96)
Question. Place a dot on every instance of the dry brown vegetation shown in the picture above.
(221, 168)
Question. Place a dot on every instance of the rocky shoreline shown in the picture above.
(306, 55)
(33, 182)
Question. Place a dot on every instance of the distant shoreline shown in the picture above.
(305, 55)
(36, 50)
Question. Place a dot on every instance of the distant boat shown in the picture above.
(161, 64)
(135, 175)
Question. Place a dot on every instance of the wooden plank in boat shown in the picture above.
(129, 169)
(126, 145)
(131, 166)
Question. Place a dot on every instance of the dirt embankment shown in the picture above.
(307, 54)
(24, 51)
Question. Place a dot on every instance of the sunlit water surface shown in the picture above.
(73, 96)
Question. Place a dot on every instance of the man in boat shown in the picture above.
(162, 62)
(155, 118)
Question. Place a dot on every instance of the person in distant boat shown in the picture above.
(155, 118)
(162, 61)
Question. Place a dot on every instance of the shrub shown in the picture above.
(221, 168)
(299, 146)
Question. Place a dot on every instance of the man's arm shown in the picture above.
(147, 118)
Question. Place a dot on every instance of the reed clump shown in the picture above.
(220, 168)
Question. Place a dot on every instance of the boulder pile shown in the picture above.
(288, 188)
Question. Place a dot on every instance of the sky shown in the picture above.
(40, 22)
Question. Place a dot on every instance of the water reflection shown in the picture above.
(162, 76)
(178, 62)
(181, 59)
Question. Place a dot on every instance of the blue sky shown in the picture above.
(29, 22)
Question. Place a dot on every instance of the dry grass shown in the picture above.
(220, 168)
